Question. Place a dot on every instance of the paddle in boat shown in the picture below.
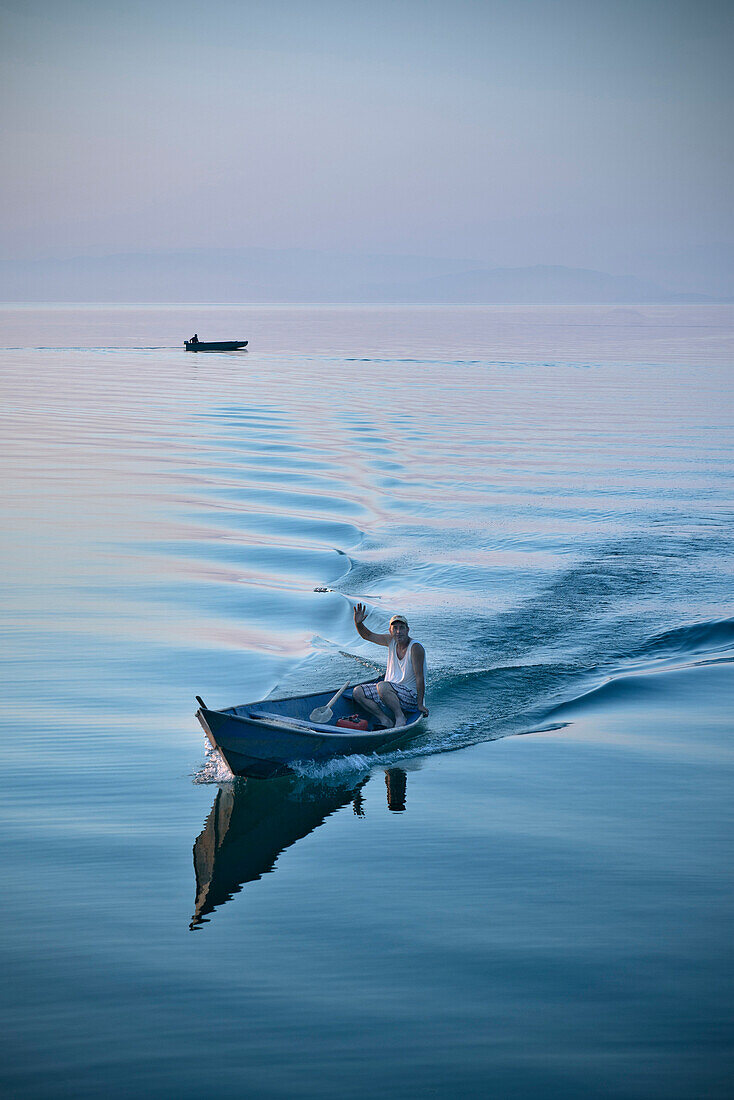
(215, 345)
(267, 738)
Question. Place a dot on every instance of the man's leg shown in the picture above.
(389, 697)
(371, 707)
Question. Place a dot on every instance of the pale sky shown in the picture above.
(573, 132)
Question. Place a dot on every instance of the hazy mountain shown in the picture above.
(216, 275)
(297, 275)
(703, 269)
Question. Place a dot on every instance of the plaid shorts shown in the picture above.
(408, 699)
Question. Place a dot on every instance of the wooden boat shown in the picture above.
(215, 345)
(267, 738)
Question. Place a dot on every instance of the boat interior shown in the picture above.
(298, 710)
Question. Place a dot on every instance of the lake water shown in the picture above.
(531, 900)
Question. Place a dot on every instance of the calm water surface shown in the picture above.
(547, 494)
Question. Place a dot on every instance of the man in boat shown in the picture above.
(405, 682)
(194, 339)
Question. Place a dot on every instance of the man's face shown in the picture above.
(399, 631)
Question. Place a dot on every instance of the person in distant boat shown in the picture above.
(194, 339)
(405, 677)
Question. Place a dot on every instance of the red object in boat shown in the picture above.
(353, 722)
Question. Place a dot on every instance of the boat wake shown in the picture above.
(715, 637)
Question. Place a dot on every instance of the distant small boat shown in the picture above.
(266, 738)
(215, 345)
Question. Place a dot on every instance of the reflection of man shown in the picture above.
(396, 782)
(404, 685)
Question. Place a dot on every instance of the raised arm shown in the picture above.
(418, 660)
(360, 614)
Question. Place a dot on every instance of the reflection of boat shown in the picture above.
(248, 827)
(266, 738)
(216, 345)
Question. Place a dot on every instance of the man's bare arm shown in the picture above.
(360, 614)
(418, 661)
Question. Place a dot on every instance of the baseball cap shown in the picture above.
(398, 619)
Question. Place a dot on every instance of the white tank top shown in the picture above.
(400, 672)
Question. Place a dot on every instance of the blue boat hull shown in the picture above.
(269, 737)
